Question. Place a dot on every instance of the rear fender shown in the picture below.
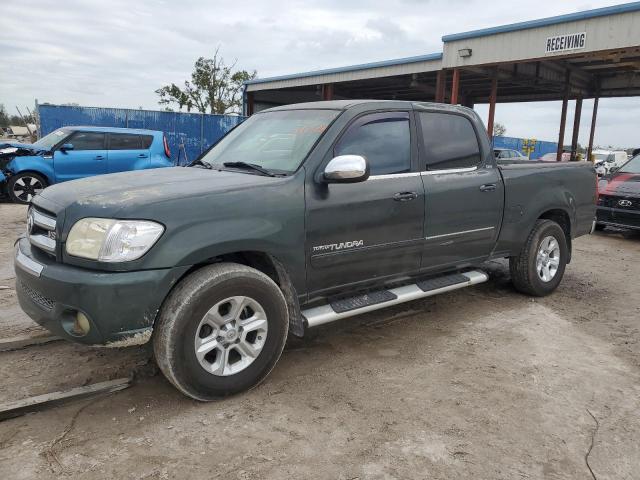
(159, 161)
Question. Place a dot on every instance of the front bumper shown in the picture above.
(119, 305)
(618, 217)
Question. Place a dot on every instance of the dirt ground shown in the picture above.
(482, 383)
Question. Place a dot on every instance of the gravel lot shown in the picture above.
(478, 383)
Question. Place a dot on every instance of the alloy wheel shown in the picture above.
(231, 335)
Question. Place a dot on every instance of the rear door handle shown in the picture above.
(99, 157)
(405, 196)
(488, 187)
(142, 155)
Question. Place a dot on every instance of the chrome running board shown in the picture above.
(325, 313)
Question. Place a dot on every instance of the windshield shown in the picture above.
(48, 141)
(277, 141)
(632, 166)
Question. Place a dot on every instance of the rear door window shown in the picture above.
(384, 139)
(448, 141)
(124, 141)
(147, 140)
(88, 141)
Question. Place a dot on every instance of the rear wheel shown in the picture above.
(221, 331)
(539, 267)
(24, 186)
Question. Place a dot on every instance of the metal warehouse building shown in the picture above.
(590, 54)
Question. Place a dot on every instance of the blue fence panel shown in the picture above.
(188, 134)
(540, 148)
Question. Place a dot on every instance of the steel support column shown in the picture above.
(250, 104)
(593, 126)
(563, 115)
(493, 96)
(576, 129)
(455, 86)
(441, 85)
(327, 91)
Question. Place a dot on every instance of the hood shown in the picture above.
(143, 187)
(16, 149)
(621, 184)
(11, 143)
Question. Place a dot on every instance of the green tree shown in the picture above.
(215, 87)
(499, 130)
(4, 117)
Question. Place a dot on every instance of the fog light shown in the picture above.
(81, 325)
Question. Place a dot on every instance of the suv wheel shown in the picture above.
(24, 186)
(539, 267)
(221, 331)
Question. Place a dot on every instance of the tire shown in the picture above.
(214, 292)
(525, 275)
(24, 186)
(599, 227)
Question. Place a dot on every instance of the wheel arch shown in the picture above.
(270, 266)
(49, 180)
(562, 218)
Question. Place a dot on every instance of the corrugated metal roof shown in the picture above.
(543, 22)
(350, 68)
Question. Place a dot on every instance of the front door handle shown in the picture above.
(142, 155)
(405, 196)
(99, 157)
(488, 187)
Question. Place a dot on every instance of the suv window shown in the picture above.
(383, 139)
(448, 141)
(87, 141)
(147, 140)
(124, 141)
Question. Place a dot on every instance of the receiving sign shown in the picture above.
(563, 43)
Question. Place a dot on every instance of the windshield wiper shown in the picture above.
(200, 162)
(250, 166)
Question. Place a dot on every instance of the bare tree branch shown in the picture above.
(214, 87)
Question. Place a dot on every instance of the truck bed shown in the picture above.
(567, 186)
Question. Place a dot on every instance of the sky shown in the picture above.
(117, 53)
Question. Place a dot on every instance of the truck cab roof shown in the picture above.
(347, 104)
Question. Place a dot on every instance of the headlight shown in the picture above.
(108, 240)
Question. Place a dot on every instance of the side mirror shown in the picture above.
(346, 169)
(66, 146)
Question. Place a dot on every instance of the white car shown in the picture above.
(604, 160)
(508, 154)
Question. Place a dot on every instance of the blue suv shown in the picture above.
(77, 152)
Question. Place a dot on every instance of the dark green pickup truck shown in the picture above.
(302, 215)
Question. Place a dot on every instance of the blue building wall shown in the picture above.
(540, 147)
(196, 131)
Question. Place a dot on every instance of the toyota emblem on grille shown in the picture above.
(624, 203)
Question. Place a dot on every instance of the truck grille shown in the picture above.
(37, 297)
(611, 201)
(41, 229)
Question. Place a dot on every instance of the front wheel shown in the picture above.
(539, 267)
(24, 186)
(221, 331)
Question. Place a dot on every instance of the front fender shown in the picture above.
(35, 163)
